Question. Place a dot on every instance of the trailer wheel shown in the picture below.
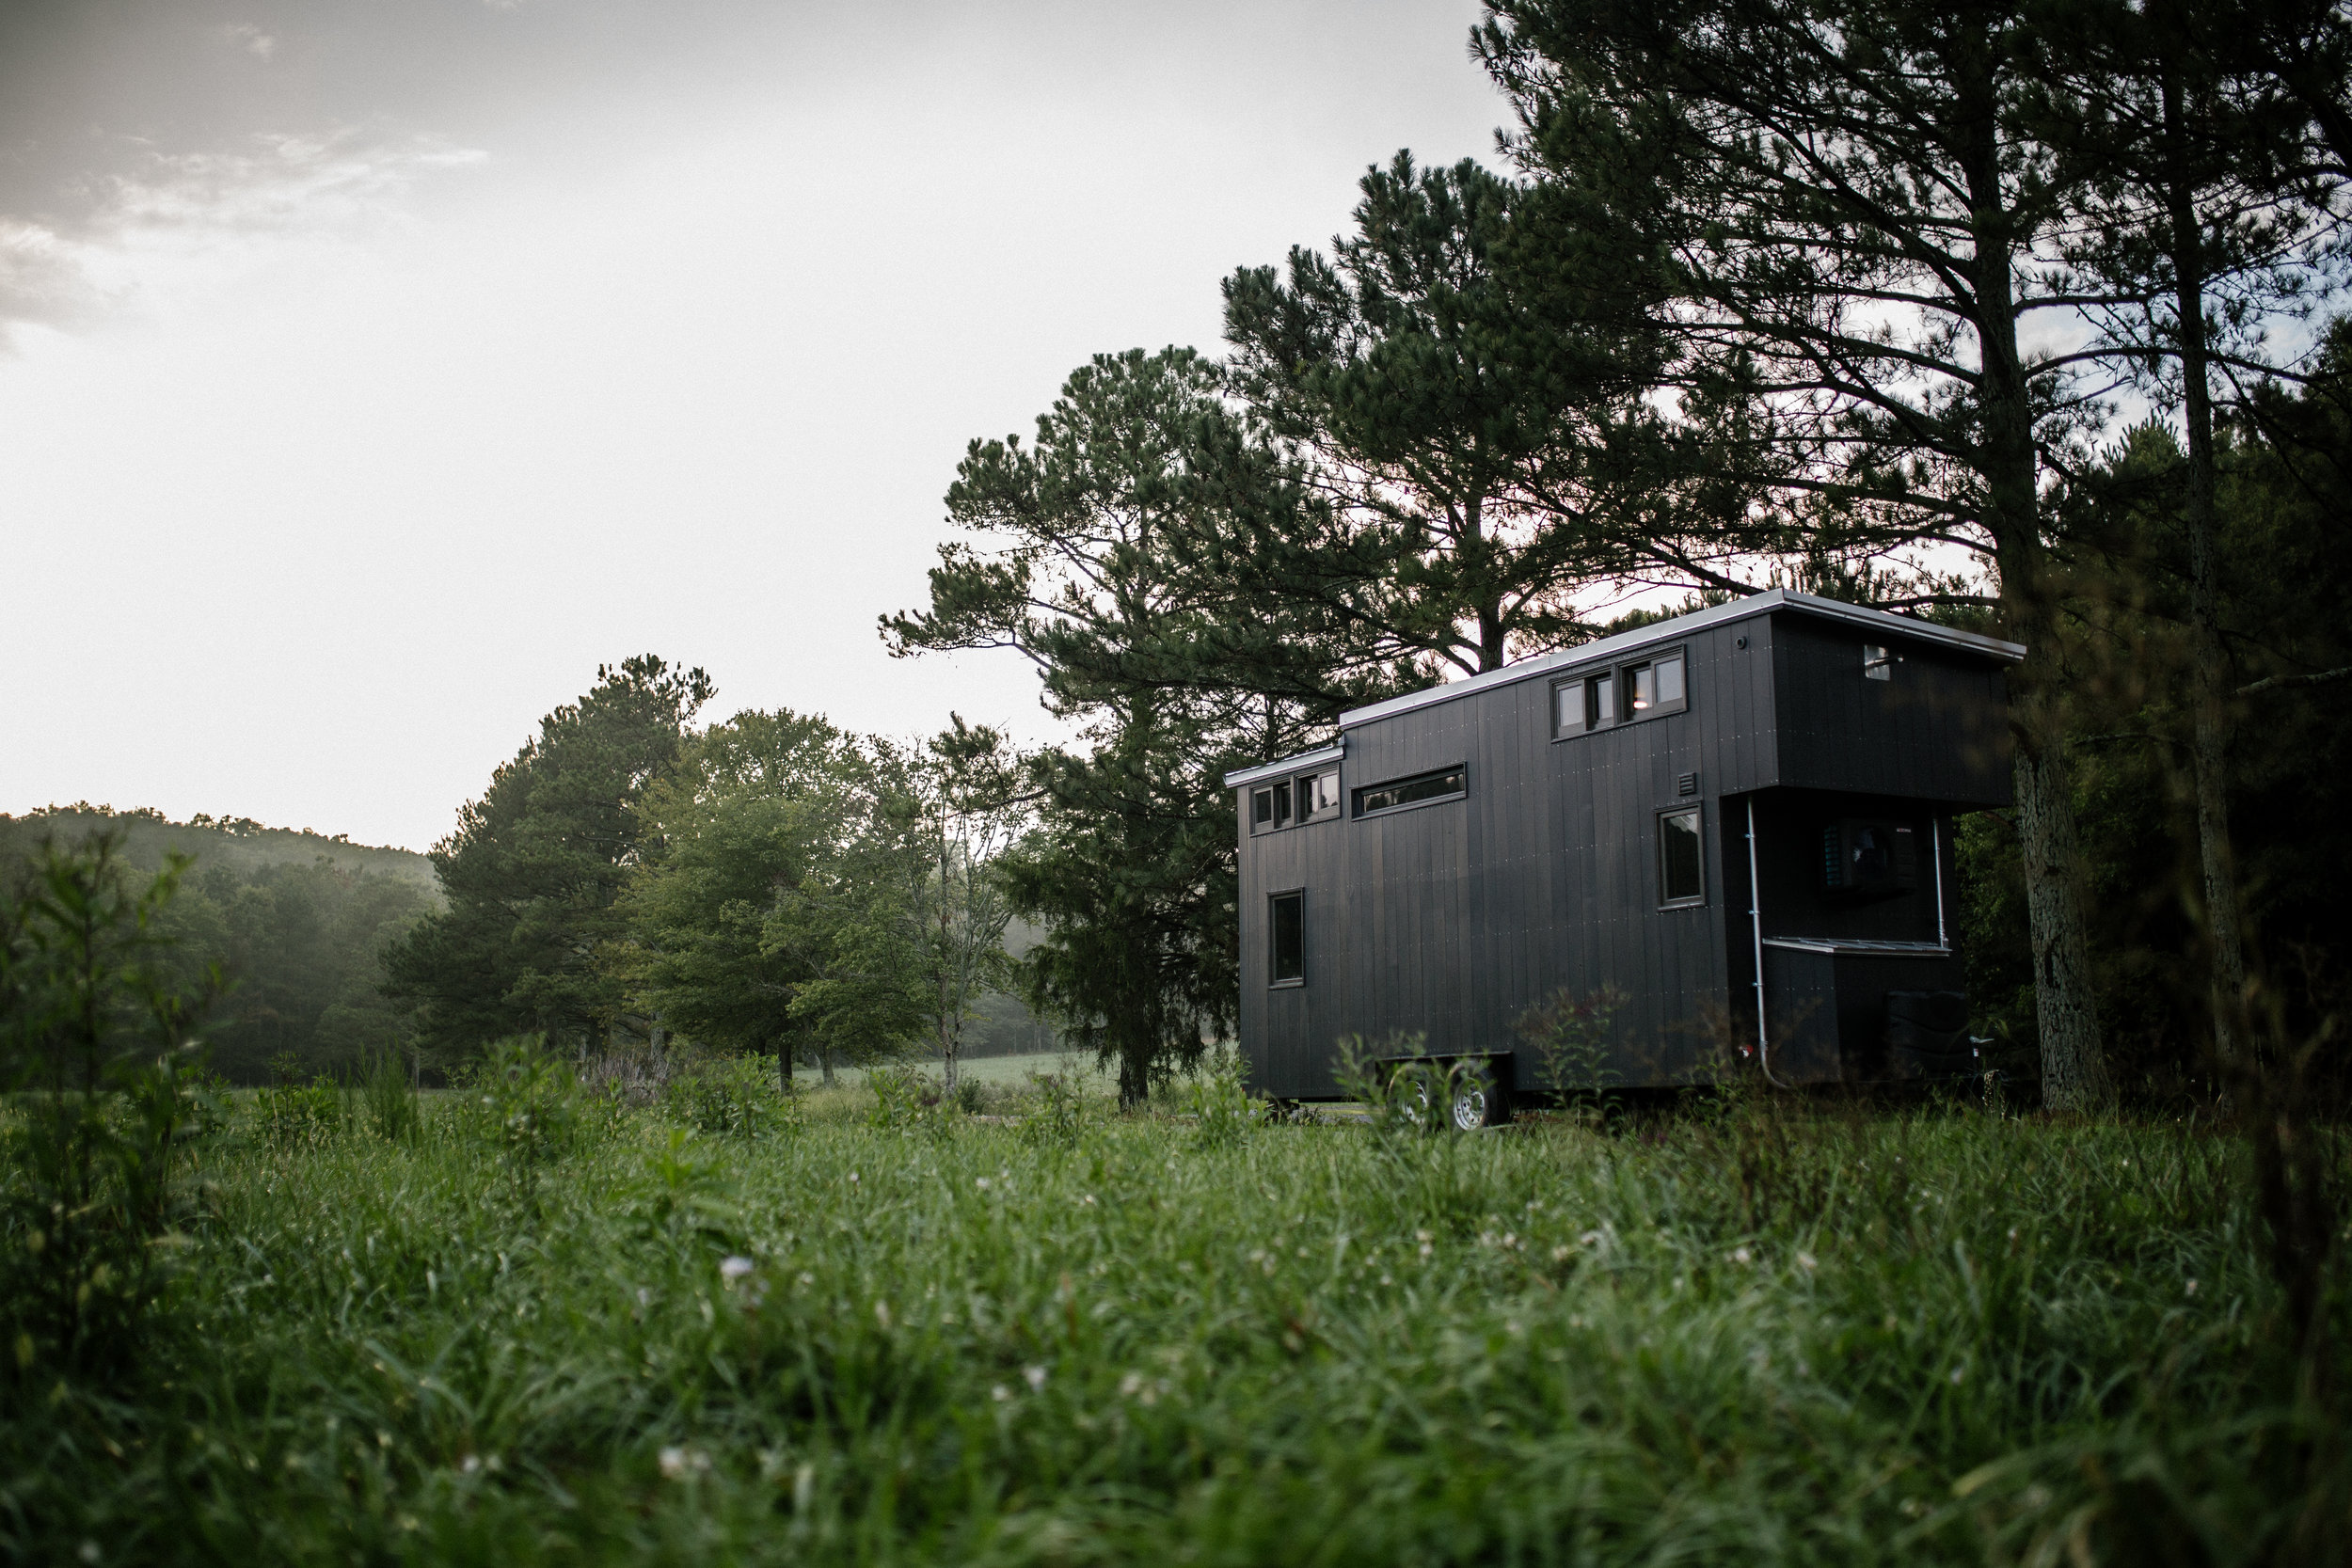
(1478, 1099)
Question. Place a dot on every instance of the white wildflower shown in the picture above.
(734, 1268)
(1036, 1376)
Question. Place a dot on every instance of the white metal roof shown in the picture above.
(1627, 642)
(1682, 626)
(1280, 766)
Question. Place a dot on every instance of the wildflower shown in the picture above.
(1131, 1385)
(1806, 1261)
(1036, 1376)
(734, 1268)
(881, 1315)
(999, 1393)
(2192, 1286)
(1562, 1254)
(981, 1183)
(1741, 1256)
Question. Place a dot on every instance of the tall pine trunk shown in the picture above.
(2209, 743)
(2074, 1064)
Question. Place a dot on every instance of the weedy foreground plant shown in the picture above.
(1767, 1335)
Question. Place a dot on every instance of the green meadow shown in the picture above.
(1735, 1331)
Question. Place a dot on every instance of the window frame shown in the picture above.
(1274, 937)
(1355, 799)
(1301, 787)
(1620, 676)
(1697, 813)
(1281, 796)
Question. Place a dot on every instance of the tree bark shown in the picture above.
(2209, 743)
(2074, 1065)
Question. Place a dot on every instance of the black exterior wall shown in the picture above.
(1433, 927)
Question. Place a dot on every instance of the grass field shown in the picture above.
(1741, 1335)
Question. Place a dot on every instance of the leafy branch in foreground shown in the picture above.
(99, 1047)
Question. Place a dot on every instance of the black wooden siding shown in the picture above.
(1447, 920)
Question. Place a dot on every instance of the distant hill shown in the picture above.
(237, 845)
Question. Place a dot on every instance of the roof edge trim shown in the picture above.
(1280, 766)
(1741, 608)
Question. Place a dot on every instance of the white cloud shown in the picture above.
(254, 41)
(179, 217)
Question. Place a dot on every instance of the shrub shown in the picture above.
(1221, 1105)
(903, 1097)
(291, 1113)
(528, 1104)
(729, 1097)
(101, 1043)
(1569, 1035)
(391, 1101)
(1059, 1114)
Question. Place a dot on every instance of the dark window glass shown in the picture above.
(1282, 803)
(1670, 683)
(1567, 708)
(1601, 701)
(1290, 937)
(1679, 866)
(1405, 792)
(1262, 809)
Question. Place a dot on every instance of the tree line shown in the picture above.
(295, 921)
(769, 885)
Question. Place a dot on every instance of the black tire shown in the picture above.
(1479, 1100)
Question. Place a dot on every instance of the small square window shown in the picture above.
(1288, 929)
(1681, 867)
(1877, 664)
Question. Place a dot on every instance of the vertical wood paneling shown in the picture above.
(1450, 920)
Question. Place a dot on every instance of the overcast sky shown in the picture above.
(376, 370)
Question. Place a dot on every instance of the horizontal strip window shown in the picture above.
(1446, 783)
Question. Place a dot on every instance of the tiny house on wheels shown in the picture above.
(1736, 824)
